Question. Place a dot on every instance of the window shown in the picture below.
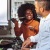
(32, 2)
(5, 17)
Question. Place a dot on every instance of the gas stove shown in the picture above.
(16, 44)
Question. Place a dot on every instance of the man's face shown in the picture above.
(37, 7)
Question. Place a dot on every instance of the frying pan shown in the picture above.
(5, 43)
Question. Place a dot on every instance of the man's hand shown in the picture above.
(14, 20)
(26, 43)
(25, 48)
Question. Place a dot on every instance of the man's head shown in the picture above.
(42, 7)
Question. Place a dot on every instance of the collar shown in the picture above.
(47, 18)
(29, 22)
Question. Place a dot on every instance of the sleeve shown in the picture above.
(18, 31)
(34, 38)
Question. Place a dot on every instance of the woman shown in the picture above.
(29, 26)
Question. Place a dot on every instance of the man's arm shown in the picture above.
(34, 38)
(30, 39)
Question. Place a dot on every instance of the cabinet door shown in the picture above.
(14, 7)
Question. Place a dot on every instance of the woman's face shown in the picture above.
(29, 14)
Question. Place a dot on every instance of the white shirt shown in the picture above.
(43, 37)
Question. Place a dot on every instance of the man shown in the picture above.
(43, 37)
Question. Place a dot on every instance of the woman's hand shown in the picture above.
(31, 28)
(14, 20)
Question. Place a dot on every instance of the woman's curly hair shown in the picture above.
(22, 9)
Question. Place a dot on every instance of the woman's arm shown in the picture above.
(18, 31)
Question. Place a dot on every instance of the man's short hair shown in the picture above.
(44, 3)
